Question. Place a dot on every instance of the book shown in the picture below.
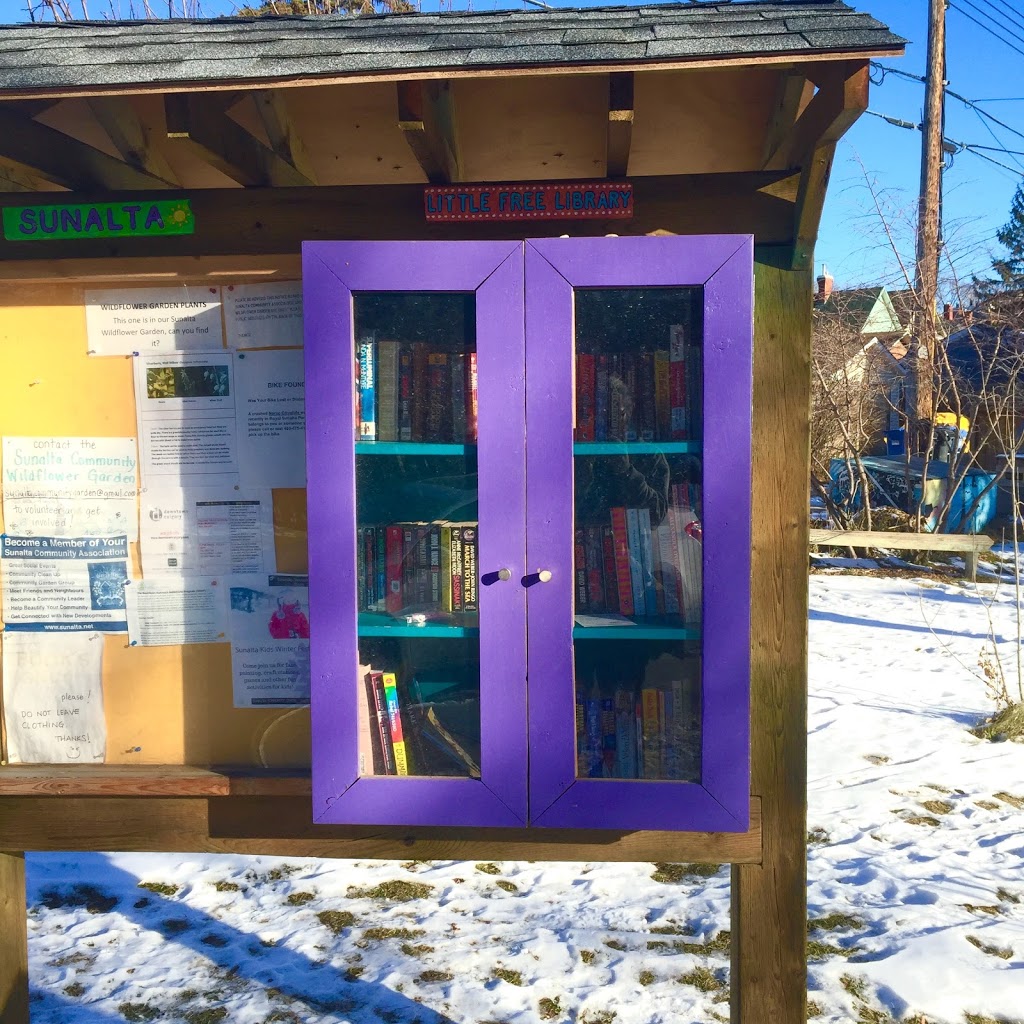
(446, 568)
(623, 576)
(472, 398)
(469, 568)
(370, 754)
(669, 554)
(393, 602)
(656, 575)
(458, 397)
(419, 396)
(394, 719)
(435, 565)
(380, 566)
(586, 384)
(595, 575)
(608, 737)
(662, 395)
(361, 568)
(405, 393)
(455, 560)
(378, 701)
(647, 561)
(592, 766)
(632, 397)
(611, 587)
(636, 570)
(677, 382)
(580, 568)
(651, 736)
(367, 377)
(646, 417)
(601, 400)
(387, 391)
(438, 396)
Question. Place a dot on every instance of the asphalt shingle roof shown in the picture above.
(108, 54)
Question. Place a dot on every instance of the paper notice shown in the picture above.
(185, 404)
(64, 584)
(271, 419)
(53, 698)
(70, 486)
(207, 532)
(188, 610)
(263, 315)
(126, 321)
(269, 627)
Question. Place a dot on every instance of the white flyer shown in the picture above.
(206, 532)
(265, 315)
(271, 389)
(53, 698)
(185, 404)
(64, 584)
(124, 322)
(185, 610)
(70, 486)
(269, 626)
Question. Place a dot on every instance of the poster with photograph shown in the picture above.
(269, 627)
(64, 584)
(129, 321)
(185, 405)
(267, 315)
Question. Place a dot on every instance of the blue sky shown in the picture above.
(877, 161)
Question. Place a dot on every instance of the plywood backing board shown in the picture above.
(164, 705)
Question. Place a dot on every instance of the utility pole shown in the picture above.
(927, 272)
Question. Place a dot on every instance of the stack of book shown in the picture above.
(652, 395)
(637, 733)
(632, 567)
(423, 568)
(409, 391)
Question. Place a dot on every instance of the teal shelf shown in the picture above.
(412, 448)
(636, 447)
(635, 633)
(384, 625)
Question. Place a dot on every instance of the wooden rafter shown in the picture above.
(131, 138)
(65, 161)
(284, 140)
(194, 121)
(620, 122)
(16, 179)
(426, 115)
(789, 98)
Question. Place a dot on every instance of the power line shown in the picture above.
(999, 20)
(984, 27)
(1013, 12)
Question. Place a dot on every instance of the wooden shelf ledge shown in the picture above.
(149, 780)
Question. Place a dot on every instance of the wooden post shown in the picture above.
(769, 901)
(13, 940)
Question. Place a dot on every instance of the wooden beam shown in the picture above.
(810, 199)
(426, 115)
(65, 161)
(131, 138)
(769, 900)
(272, 108)
(789, 96)
(13, 940)
(841, 98)
(14, 178)
(620, 122)
(205, 127)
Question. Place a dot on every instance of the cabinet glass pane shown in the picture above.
(638, 548)
(416, 533)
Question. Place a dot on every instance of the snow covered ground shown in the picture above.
(916, 882)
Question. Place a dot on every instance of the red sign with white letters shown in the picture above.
(526, 201)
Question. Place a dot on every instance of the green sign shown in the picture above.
(134, 219)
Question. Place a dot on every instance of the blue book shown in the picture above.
(647, 560)
(636, 579)
(367, 406)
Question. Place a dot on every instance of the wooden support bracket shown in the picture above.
(197, 121)
(131, 138)
(426, 115)
(620, 122)
(285, 141)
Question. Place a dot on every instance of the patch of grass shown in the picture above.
(75, 989)
(588, 956)
(228, 887)
(937, 787)
(1007, 724)
(922, 819)
(336, 920)
(719, 944)
(1005, 896)
(671, 874)
(417, 951)
(598, 1016)
(877, 758)
(174, 926)
(823, 950)
(937, 806)
(981, 1018)
(300, 899)
(702, 979)
(398, 890)
(87, 896)
(835, 921)
(1003, 952)
(549, 1009)
(647, 978)
(1013, 801)
(353, 973)
(488, 869)
(274, 874)
(377, 934)
(504, 974)
(673, 929)
(865, 1015)
(429, 977)
(210, 1015)
(977, 909)
(139, 1011)
(504, 883)
(214, 940)
(814, 1009)
(283, 1017)
(160, 888)
(615, 944)
(72, 959)
(988, 805)
(817, 836)
(857, 987)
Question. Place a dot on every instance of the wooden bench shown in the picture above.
(967, 544)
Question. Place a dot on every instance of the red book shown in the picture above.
(611, 588)
(471, 397)
(580, 553)
(393, 560)
(677, 382)
(623, 578)
(586, 396)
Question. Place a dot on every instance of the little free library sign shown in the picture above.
(526, 201)
(99, 220)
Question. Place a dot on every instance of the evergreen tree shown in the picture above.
(1010, 268)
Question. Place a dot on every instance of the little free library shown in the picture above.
(404, 432)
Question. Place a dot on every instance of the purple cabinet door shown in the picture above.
(638, 531)
(415, 400)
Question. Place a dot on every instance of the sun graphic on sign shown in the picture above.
(180, 214)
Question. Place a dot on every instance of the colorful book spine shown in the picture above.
(435, 566)
(472, 397)
(595, 574)
(656, 574)
(420, 398)
(380, 706)
(405, 393)
(469, 569)
(677, 382)
(422, 565)
(636, 570)
(361, 568)
(439, 398)
(645, 370)
(393, 558)
(380, 563)
(662, 395)
(367, 376)
(651, 739)
(586, 384)
(647, 561)
(608, 737)
(387, 391)
(458, 397)
(623, 576)
(611, 583)
(629, 377)
(394, 719)
(458, 600)
(669, 553)
(580, 568)
(371, 753)
(446, 569)
(593, 760)
(601, 400)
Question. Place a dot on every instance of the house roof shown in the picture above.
(862, 310)
(102, 55)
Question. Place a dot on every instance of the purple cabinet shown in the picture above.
(529, 523)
